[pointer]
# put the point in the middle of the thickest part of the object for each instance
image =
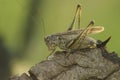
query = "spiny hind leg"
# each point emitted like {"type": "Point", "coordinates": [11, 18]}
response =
{"type": "Point", "coordinates": [79, 15]}
{"type": "Point", "coordinates": [78, 12]}
{"type": "Point", "coordinates": [80, 38]}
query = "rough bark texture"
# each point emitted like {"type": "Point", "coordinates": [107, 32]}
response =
{"type": "Point", "coordinates": [88, 64]}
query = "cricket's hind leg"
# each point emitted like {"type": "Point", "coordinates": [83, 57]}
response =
{"type": "Point", "coordinates": [80, 38]}
{"type": "Point", "coordinates": [78, 12]}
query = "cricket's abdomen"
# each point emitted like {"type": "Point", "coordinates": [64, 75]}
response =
{"type": "Point", "coordinates": [88, 43]}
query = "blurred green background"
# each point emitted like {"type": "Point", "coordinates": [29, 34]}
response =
{"type": "Point", "coordinates": [24, 23]}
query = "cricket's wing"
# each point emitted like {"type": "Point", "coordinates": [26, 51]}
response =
{"type": "Point", "coordinates": [95, 29]}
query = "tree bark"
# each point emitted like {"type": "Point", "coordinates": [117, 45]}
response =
{"type": "Point", "coordinates": [87, 64]}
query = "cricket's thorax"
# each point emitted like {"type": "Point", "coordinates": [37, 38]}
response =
{"type": "Point", "coordinates": [61, 40]}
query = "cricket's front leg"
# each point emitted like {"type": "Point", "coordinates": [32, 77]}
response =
{"type": "Point", "coordinates": [51, 55]}
{"type": "Point", "coordinates": [78, 11]}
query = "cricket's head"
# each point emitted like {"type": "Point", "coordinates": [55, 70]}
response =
{"type": "Point", "coordinates": [51, 41]}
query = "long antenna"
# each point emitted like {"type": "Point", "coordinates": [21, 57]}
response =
{"type": "Point", "coordinates": [43, 26]}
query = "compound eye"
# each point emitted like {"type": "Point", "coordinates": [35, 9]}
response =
{"type": "Point", "coordinates": [48, 39]}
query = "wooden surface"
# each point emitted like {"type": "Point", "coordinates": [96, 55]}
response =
{"type": "Point", "coordinates": [88, 64]}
